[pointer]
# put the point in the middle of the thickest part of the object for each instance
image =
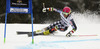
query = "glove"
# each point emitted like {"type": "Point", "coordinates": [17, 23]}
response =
{"type": "Point", "coordinates": [44, 10]}
{"type": "Point", "coordinates": [69, 34]}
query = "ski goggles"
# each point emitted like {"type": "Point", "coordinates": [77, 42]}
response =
{"type": "Point", "coordinates": [66, 13]}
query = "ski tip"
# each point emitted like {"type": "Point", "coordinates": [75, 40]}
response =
{"type": "Point", "coordinates": [20, 33]}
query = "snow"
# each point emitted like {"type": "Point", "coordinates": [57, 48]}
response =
{"type": "Point", "coordinates": [87, 24]}
{"type": "Point", "coordinates": [56, 41]}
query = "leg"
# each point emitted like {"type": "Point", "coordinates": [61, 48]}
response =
{"type": "Point", "coordinates": [46, 31]}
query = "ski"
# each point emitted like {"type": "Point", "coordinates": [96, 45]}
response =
{"type": "Point", "coordinates": [36, 34]}
{"type": "Point", "coordinates": [29, 33]}
{"type": "Point", "coordinates": [20, 33]}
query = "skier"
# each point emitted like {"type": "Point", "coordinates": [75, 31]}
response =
{"type": "Point", "coordinates": [62, 25]}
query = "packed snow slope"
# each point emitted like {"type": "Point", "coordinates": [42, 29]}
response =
{"type": "Point", "coordinates": [56, 41]}
{"type": "Point", "coordinates": [87, 24]}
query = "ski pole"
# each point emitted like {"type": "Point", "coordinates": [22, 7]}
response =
{"type": "Point", "coordinates": [44, 9]}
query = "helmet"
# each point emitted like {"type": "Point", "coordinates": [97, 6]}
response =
{"type": "Point", "coordinates": [67, 10]}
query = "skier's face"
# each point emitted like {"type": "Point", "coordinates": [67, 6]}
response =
{"type": "Point", "coordinates": [65, 15]}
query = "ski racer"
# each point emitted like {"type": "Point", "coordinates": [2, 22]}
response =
{"type": "Point", "coordinates": [62, 25]}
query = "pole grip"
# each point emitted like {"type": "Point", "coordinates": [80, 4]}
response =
{"type": "Point", "coordinates": [43, 5]}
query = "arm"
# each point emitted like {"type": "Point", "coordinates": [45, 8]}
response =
{"type": "Point", "coordinates": [73, 30]}
{"type": "Point", "coordinates": [54, 9]}
{"type": "Point", "coordinates": [73, 26]}
{"type": "Point", "coordinates": [51, 9]}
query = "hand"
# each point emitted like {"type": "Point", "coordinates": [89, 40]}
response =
{"type": "Point", "coordinates": [44, 10]}
{"type": "Point", "coordinates": [69, 34]}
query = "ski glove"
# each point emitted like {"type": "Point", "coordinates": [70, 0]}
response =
{"type": "Point", "coordinates": [69, 34]}
{"type": "Point", "coordinates": [44, 10]}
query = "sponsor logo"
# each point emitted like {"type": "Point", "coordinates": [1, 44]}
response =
{"type": "Point", "coordinates": [18, 10]}
{"type": "Point", "coordinates": [19, 1]}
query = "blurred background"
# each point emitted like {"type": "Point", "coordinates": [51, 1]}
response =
{"type": "Point", "coordinates": [81, 10]}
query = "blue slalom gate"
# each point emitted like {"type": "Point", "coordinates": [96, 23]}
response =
{"type": "Point", "coordinates": [19, 6]}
